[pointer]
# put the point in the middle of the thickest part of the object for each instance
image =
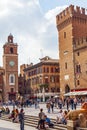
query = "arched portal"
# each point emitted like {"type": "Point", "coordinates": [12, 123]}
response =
{"type": "Point", "coordinates": [67, 88]}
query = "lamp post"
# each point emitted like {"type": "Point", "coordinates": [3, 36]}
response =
{"type": "Point", "coordinates": [43, 92]}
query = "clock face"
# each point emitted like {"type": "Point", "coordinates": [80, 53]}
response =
{"type": "Point", "coordinates": [11, 63]}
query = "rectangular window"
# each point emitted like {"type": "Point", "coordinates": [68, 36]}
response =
{"type": "Point", "coordinates": [40, 70]}
{"type": "Point", "coordinates": [82, 40]}
{"type": "Point", "coordinates": [47, 70]}
{"type": "Point", "coordinates": [78, 53]}
{"type": "Point", "coordinates": [51, 69]}
{"type": "Point", "coordinates": [52, 79]}
{"type": "Point", "coordinates": [46, 80]}
{"type": "Point", "coordinates": [86, 39]}
{"type": "Point", "coordinates": [44, 69]}
{"type": "Point", "coordinates": [57, 78]}
{"type": "Point", "coordinates": [66, 65]}
{"type": "Point", "coordinates": [64, 34]}
{"type": "Point", "coordinates": [78, 69]}
{"type": "Point", "coordinates": [78, 83]}
{"type": "Point", "coordinates": [37, 70]}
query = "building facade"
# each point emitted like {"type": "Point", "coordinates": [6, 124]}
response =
{"type": "Point", "coordinates": [44, 74]}
{"type": "Point", "coordinates": [1, 83]}
{"type": "Point", "coordinates": [10, 66]}
{"type": "Point", "coordinates": [72, 32]}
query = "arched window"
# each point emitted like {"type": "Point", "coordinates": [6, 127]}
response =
{"type": "Point", "coordinates": [67, 88]}
{"type": "Point", "coordinates": [11, 79]}
{"type": "Point", "coordinates": [11, 50]}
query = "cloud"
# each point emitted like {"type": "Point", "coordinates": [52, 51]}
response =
{"type": "Point", "coordinates": [32, 29]}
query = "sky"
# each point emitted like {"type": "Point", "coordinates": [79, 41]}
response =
{"type": "Point", "coordinates": [33, 26]}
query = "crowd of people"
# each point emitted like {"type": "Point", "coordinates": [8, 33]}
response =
{"type": "Point", "coordinates": [67, 102]}
{"type": "Point", "coordinates": [4, 110]}
{"type": "Point", "coordinates": [16, 115]}
{"type": "Point", "coordinates": [64, 106]}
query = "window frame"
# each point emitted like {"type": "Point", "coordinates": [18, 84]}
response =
{"type": "Point", "coordinates": [11, 79]}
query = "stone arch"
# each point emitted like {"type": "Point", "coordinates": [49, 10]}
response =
{"type": "Point", "coordinates": [67, 88]}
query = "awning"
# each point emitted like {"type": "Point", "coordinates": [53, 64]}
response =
{"type": "Point", "coordinates": [46, 94]}
{"type": "Point", "coordinates": [76, 93]}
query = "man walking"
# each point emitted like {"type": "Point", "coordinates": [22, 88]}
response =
{"type": "Point", "coordinates": [21, 119]}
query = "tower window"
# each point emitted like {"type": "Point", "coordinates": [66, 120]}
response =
{"type": "Point", "coordinates": [11, 79]}
{"type": "Point", "coordinates": [78, 83]}
{"type": "Point", "coordinates": [82, 40]}
{"type": "Point", "coordinates": [11, 50]}
{"type": "Point", "coordinates": [78, 69]}
{"type": "Point", "coordinates": [86, 39]}
{"type": "Point", "coordinates": [64, 34]}
{"type": "Point", "coordinates": [66, 65]}
{"type": "Point", "coordinates": [78, 42]}
{"type": "Point", "coordinates": [78, 53]}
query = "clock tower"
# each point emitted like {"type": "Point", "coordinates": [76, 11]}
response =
{"type": "Point", "coordinates": [10, 65]}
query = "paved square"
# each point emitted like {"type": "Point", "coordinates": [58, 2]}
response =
{"type": "Point", "coordinates": [6, 125]}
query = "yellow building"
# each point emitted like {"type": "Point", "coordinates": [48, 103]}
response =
{"type": "Point", "coordinates": [43, 75]}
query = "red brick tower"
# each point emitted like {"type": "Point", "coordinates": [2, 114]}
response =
{"type": "Point", "coordinates": [72, 32]}
{"type": "Point", "coordinates": [10, 64]}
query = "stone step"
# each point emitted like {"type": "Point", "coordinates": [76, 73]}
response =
{"type": "Point", "coordinates": [33, 121]}
{"type": "Point", "coordinates": [34, 118]}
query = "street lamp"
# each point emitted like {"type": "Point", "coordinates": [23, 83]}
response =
{"type": "Point", "coordinates": [43, 92]}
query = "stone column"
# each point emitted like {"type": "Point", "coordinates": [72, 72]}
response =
{"type": "Point", "coordinates": [71, 125]}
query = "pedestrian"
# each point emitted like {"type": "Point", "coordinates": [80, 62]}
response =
{"type": "Point", "coordinates": [41, 120]}
{"type": "Point", "coordinates": [60, 103]}
{"type": "Point", "coordinates": [52, 106]}
{"type": "Point", "coordinates": [75, 103]}
{"type": "Point", "coordinates": [67, 102]}
{"type": "Point", "coordinates": [48, 105]}
{"type": "Point", "coordinates": [35, 102]}
{"type": "Point", "coordinates": [72, 103]}
{"type": "Point", "coordinates": [21, 119]}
